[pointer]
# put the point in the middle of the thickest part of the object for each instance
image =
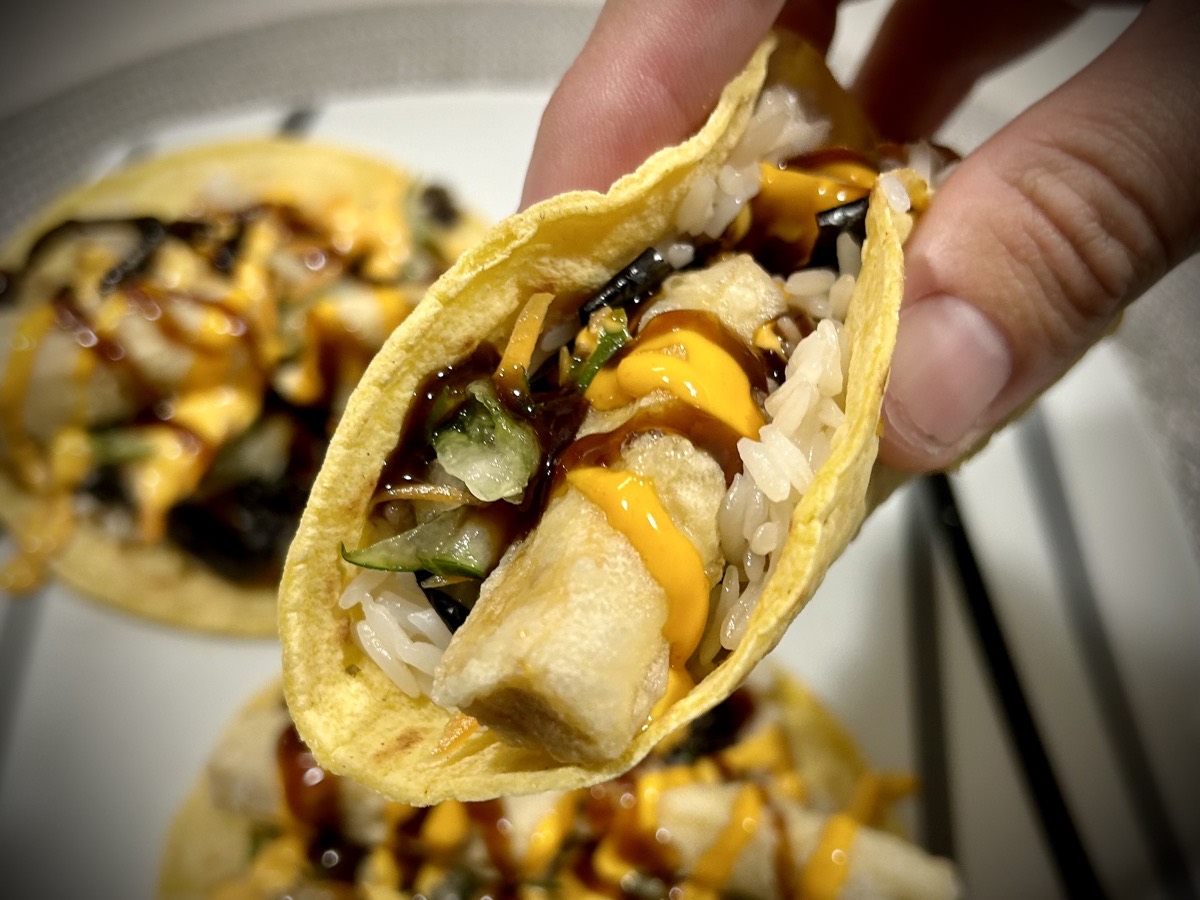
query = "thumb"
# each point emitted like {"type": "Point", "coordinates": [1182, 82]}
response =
{"type": "Point", "coordinates": [1039, 238]}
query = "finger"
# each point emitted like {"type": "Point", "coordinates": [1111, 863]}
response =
{"type": "Point", "coordinates": [647, 77]}
{"type": "Point", "coordinates": [1040, 237]}
{"type": "Point", "coordinates": [929, 54]}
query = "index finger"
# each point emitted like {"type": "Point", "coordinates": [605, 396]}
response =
{"type": "Point", "coordinates": [646, 78]}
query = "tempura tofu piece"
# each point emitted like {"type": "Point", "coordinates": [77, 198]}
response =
{"type": "Point", "coordinates": [564, 649]}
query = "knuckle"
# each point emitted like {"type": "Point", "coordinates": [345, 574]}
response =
{"type": "Point", "coordinates": [1089, 222]}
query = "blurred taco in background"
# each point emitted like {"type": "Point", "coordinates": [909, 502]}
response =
{"type": "Point", "coordinates": [583, 490]}
{"type": "Point", "coordinates": [179, 340]}
{"type": "Point", "coordinates": [763, 796]}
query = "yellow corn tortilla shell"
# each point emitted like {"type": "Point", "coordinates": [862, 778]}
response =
{"type": "Point", "coordinates": [208, 845]}
{"type": "Point", "coordinates": [353, 718]}
{"type": "Point", "coordinates": [159, 581]}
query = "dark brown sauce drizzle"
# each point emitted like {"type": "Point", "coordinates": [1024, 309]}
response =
{"type": "Point", "coordinates": [495, 829]}
{"type": "Point", "coordinates": [716, 730]}
{"type": "Point", "coordinates": [556, 415]}
{"type": "Point", "coordinates": [707, 432]}
{"type": "Point", "coordinates": [826, 156]}
{"type": "Point", "coordinates": [314, 797]}
{"type": "Point", "coordinates": [435, 401]}
{"type": "Point", "coordinates": [781, 257]}
{"type": "Point", "coordinates": [559, 410]}
{"type": "Point", "coordinates": [408, 849]}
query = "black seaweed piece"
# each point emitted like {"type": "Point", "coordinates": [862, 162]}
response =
{"type": "Point", "coordinates": [105, 484]}
{"type": "Point", "coordinates": [847, 217]}
{"type": "Point", "coordinates": [243, 531]}
{"type": "Point", "coordinates": [449, 610]}
{"type": "Point", "coordinates": [717, 729]}
{"type": "Point", "coordinates": [439, 206]}
{"type": "Point", "coordinates": [631, 285]}
{"type": "Point", "coordinates": [7, 281]}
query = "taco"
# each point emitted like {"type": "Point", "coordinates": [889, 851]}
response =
{"type": "Point", "coordinates": [179, 339]}
{"type": "Point", "coordinates": [763, 796]}
{"type": "Point", "coordinates": [586, 487]}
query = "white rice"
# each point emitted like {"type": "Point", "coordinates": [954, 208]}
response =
{"type": "Point", "coordinates": [849, 255]}
{"type": "Point", "coordinates": [840, 294]}
{"type": "Point", "coordinates": [677, 253]}
{"type": "Point", "coordinates": [399, 630]}
{"type": "Point", "coordinates": [895, 192]}
{"type": "Point", "coordinates": [810, 282]}
{"type": "Point", "coordinates": [779, 129]}
{"type": "Point", "coordinates": [778, 468]}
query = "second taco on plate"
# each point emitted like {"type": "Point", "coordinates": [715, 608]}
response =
{"type": "Point", "coordinates": [179, 339]}
{"type": "Point", "coordinates": [764, 796]}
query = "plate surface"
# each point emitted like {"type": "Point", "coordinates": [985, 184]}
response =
{"type": "Point", "coordinates": [105, 720]}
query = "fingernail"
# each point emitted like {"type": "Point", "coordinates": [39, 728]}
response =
{"type": "Point", "coordinates": [950, 364]}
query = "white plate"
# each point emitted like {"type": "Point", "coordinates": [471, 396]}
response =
{"type": "Point", "coordinates": [114, 717]}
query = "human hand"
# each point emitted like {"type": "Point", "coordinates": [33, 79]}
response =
{"type": "Point", "coordinates": [1037, 240]}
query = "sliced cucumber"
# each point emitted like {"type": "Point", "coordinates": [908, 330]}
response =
{"type": "Point", "coordinates": [116, 446]}
{"type": "Point", "coordinates": [451, 543]}
{"type": "Point", "coordinates": [487, 447]}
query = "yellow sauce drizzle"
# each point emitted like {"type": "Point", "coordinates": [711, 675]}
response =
{"type": "Point", "coordinates": [278, 865]}
{"type": "Point", "coordinates": [679, 684]}
{"type": "Point", "coordinates": [714, 866]}
{"type": "Point", "coordinates": [229, 350]}
{"type": "Point", "coordinates": [70, 459]}
{"type": "Point", "coordinates": [790, 199]}
{"type": "Point", "coordinates": [825, 871]}
{"type": "Point", "coordinates": [633, 508]}
{"type": "Point", "coordinates": [548, 837]}
{"type": "Point", "coordinates": [652, 785]}
{"type": "Point", "coordinates": [446, 827]}
{"type": "Point", "coordinates": [767, 338]}
{"type": "Point", "coordinates": [789, 784]}
{"type": "Point", "coordinates": [637, 820]}
{"type": "Point", "coordinates": [692, 369]}
{"type": "Point", "coordinates": [875, 792]}
{"type": "Point", "coordinates": [766, 750]}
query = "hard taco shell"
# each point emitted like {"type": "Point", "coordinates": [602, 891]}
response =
{"type": "Point", "coordinates": [357, 722]}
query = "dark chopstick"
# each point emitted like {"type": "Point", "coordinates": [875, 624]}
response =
{"type": "Point", "coordinates": [1075, 871]}
{"type": "Point", "coordinates": [298, 122]}
{"type": "Point", "coordinates": [1112, 699]}
{"type": "Point", "coordinates": [936, 823]}
{"type": "Point", "coordinates": [18, 636]}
